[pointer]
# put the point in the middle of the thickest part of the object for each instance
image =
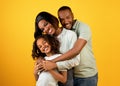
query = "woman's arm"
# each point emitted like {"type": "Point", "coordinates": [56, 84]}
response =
{"type": "Point", "coordinates": [36, 70]}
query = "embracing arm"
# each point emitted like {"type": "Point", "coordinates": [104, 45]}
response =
{"type": "Point", "coordinates": [36, 70]}
{"type": "Point", "coordinates": [79, 44]}
{"type": "Point", "coordinates": [68, 64]}
{"type": "Point", "coordinates": [84, 34]}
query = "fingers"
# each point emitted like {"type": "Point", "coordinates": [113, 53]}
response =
{"type": "Point", "coordinates": [44, 65]}
{"type": "Point", "coordinates": [41, 66]}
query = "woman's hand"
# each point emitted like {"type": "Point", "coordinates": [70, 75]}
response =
{"type": "Point", "coordinates": [36, 70]}
{"type": "Point", "coordinates": [37, 67]}
{"type": "Point", "coordinates": [48, 65]}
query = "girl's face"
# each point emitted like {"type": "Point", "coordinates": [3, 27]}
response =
{"type": "Point", "coordinates": [44, 46]}
{"type": "Point", "coordinates": [46, 27]}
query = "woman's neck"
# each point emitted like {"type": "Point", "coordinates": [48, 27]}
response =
{"type": "Point", "coordinates": [58, 31]}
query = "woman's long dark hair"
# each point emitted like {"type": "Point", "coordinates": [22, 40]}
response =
{"type": "Point", "coordinates": [49, 18]}
{"type": "Point", "coordinates": [53, 41]}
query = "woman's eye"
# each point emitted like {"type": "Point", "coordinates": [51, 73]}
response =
{"type": "Point", "coordinates": [46, 24]}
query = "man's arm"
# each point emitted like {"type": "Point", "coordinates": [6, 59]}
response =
{"type": "Point", "coordinates": [62, 65]}
{"type": "Point", "coordinates": [68, 64]}
{"type": "Point", "coordinates": [79, 44]}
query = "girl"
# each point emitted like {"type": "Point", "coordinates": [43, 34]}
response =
{"type": "Point", "coordinates": [48, 47]}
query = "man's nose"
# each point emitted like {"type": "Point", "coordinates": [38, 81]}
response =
{"type": "Point", "coordinates": [66, 21]}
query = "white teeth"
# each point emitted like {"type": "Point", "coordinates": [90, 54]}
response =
{"type": "Point", "coordinates": [50, 31]}
{"type": "Point", "coordinates": [67, 24]}
{"type": "Point", "coordinates": [45, 49]}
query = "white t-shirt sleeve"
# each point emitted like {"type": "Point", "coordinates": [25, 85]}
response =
{"type": "Point", "coordinates": [68, 64]}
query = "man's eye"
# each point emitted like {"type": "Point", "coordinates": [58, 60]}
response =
{"type": "Point", "coordinates": [61, 19]}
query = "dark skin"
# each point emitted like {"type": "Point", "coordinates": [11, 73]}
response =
{"type": "Point", "coordinates": [48, 65]}
{"type": "Point", "coordinates": [66, 18]}
{"type": "Point", "coordinates": [38, 62]}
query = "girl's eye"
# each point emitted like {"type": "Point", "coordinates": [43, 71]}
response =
{"type": "Point", "coordinates": [39, 47]}
{"type": "Point", "coordinates": [44, 42]}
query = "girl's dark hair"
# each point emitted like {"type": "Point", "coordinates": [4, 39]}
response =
{"type": "Point", "coordinates": [53, 41]}
{"type": "Point", "coordinates": [49, 18]}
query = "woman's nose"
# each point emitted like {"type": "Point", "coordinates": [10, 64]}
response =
{"type": "Point", "coordinates": [45, 29]}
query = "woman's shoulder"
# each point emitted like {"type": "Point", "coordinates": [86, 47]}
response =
{"type": "Point", "coordinates": [69, 31]}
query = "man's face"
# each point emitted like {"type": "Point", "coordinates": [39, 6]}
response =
{"type": "Point", "coordinates": [66, 18]}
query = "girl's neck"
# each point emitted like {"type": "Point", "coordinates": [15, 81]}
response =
{"type": "Point", "coordinates": [50, 54]}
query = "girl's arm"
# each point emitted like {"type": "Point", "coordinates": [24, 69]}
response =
{"type": "Point", "coordinates": [62, 76]}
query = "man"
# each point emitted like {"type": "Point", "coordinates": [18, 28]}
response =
{"type": "Point", "coordinates": [85, 74]}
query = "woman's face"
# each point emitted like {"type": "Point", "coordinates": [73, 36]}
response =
{"type": "Point", "coordinates": [44, 46]}
{"type": "Point", "coordinates": [46, 27]}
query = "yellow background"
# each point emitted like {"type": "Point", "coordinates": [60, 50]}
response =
{"type": "Point", "coordinates": [17, 28]}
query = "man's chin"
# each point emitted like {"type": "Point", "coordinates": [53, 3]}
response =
{"type": "Point", "coordinates": [68, 27]}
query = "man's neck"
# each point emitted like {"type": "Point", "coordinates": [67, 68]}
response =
{"type": "Point", "coordinates": [73, 24]}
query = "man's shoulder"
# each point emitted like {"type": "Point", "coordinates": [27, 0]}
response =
{"type": "Point", "coordinates": [80, 24]}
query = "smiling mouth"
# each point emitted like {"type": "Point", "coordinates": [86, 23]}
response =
{"type": "Point", "coordinates": [45, 49]}
{"type": "Point", "coordinates": [67, 25]}
{"type": "Point", "coordinates": [50, 31]}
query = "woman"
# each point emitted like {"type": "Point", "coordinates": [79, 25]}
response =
{"type": "Point", "coordinates": [46, 23]}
